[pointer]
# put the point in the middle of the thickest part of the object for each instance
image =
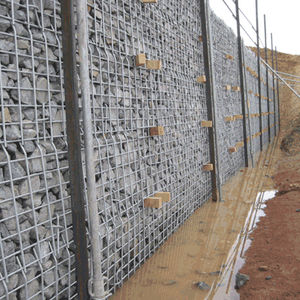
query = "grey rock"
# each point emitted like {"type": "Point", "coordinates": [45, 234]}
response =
{"type": "Point", "coordinates": [42, 94]}
{"type": "Point", "coordinates": [29, 134]}
{"type": "Point", "coordinates": [26, 92]}
{"type": "Point", "coordinates": [268, 277]}
{"type": "Point", "coordinates": [23, 44]}
{"type": "Point", "coordinates": [202, 285]}
{"type": "Point", "coordinates": [43, 214]}
{"type": "Point", "coordinates": [7, 45]}
{"type": "Point", "coordinates": [13, 282]}
{"type": "Point", "coordinates": [240, 280]}
{"type": "Point", "coordinates": [29, 146]}
{"type": "Point", "coordinates": [5, 193]}
{"type": "Point", "coordinates": [4, 59]}
{"type": "Point", "coordinates": [35, 161]}
{"type": "Point", "coordinates": [20, 15]}
{"type": "Point", "coordinates": [298, 210]}
{"type": "Point", "coordinates": [49, 277]}
{"type": "Point", "coordinates": [32, 289]}
{"type": "Point", "coordinates": [17, 171]}
{"type": "Point", "coordinates": [24, 185]}
{"type": "Point", "coordinates": [13, 132]}
{"type": "Point", "coordinates": [34, 201]}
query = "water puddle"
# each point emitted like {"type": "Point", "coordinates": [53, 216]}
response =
{"type": "Point", "coordinates": [224, 287]}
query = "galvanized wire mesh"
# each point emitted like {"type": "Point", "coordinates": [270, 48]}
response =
{"type": "Point", "coordinates": [36, 244]}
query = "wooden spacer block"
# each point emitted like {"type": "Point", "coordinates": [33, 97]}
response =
{"type": "Point", "coordinates": [201, 79]}
{"type": "Point", "coordinates": [228, 87]}
{"type": "Point", "coordinates": [159, 130]}
{"type": "Point", "coordinates": [228, 56]}
{"type": "Point", "coordinates": [153, 202]}
{"type": "Point", "coordinates": [236, 88]}
{"type": "Point", "coordinates": [229, 118]}
{"type": "Point", "coordinates": [206, 124]}
{"type": "Point", "coordinates": [232, 149]}
{"type": "Point", "coordinates": [200, 38]}
{"type": "Point", "coordinates": [165, 196]}
{"type": "Point", "coordinates": [140, 60]}
{"type": "Point", "coordinates": [238, 117]}
{"type": "Point", "coordinates": [239, 144]}
{"type": "Point", "coordinates": [153, 64]}
{"type": "Point", "coordinates": [208, 167]}
{"type": "Point", "coordinates": [250, 92]}
{"type": "Point", "coordinates": [149, 1]}
{"type": "Point", "coordinates": [256, 95]}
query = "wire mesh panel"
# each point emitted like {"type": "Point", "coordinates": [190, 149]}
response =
{"type": "Point", "coordinates": [128, 101]}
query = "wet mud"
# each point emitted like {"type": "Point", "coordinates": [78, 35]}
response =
{"type": "Point", "coordinates": [201, 259]}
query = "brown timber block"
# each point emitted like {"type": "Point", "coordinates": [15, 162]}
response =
{"type": "Point", "coordinates": [153, 64]}
{"type": "Point", "coordinates": [165, 196]}
{"type": "Point", "coordinates": [228, 56]}
{"type": "Point", "coordinates": [239, 144]}
{"type": "Point", "coordinates": [208, 167]}
{"type": "Point", "coordinates": [250, 92]}
{"type": "Point", "coordinates": [256, 95]}
{"type": "Point", "coordinates": [206, 124]}
{"type": "Point", "coordinates": [153, 202]}
{"type": "Point", "coordinates": [228, 87]}
{"type": "Point", "coordinates": [149, 1]}
{"type": "Point", "coordinates": [236, 88]}
{"type": "Point", "coordinates": [201, 79]}
{"type": "Point", "coordinates": [238, 117]}
{"type": "Point", "coordinates": [140, 60]}
{"type": "Point", "coordinates": [232, 149]}
{"type": "Point", "coordinates": [200, 38]}
{"type": "Point", "coordinates": [229, 118]}
{"type": "Point", "coordinates": [159, 130]}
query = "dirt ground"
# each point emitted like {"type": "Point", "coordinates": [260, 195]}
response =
{"type": "Point", "coordinates": [273, 259]}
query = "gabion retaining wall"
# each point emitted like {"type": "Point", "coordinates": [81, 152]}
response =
{"type": "Point", "coordinates": [36, 244]}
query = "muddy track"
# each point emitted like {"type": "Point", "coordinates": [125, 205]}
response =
{"type": "Point", "coordinates": [276, 241]}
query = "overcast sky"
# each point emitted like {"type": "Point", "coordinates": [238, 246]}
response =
{"type": "Point", "coordinates": [283, 20]}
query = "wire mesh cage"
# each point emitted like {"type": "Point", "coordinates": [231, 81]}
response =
{"type": "Point", "coordinates": [128, 100]}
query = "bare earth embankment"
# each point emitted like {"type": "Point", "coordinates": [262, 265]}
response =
{"type": "Point", "coordinates": [273, 260]}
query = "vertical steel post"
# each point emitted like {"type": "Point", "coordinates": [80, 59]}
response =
{"type": "Point", "coordinates": [210, 99]}
{"type": "Point", "coordinates": [278, 96]}
{"type": "Point", "coordinates": [96, 282]}
{"type": "Point", "coordinates": [239, 39]}
{"type": "Point", "coordinates": [74, 148]}
{"type": "Point", "coordinates": [274, 93]}
{"type": "Point", "coordinates": [248, 109]}
{"type": "Point", "coordinates": [267, 78]}
{"type": "Point", "coordinates": [259, 75]}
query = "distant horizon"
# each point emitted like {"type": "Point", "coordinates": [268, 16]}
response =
{"type": "Point", "coordinates": [275, 10]}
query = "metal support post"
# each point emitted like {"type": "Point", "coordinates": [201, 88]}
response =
{"type": "Point", "coordinates": [267, 78]}
{"type": "Point", "coordinates": [259, 75]}
{"type": "Point", "coordinates": [242, 82]}
{"type": "Point", "coordinates": [278, 96]}
{"type": "Point", "coordinates": [273, 64]}
{"type": "Point", "coordinates": [210, 99]}
{"type": "Point", "coordinates": [74, 148]}
{"type": "Point", "coordinates": [274, 93]}
{"type": "Point", "coordinates": [248, 109]}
